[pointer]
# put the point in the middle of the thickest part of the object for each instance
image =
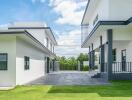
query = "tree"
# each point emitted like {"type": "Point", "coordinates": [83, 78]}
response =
{"type": "Point", "coordinates": [67, 63]}
{"type": "Point", "coordinates": [82, 57]}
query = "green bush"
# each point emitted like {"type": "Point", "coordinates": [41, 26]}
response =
{"type": "Point", "coordinates": [85, 68]}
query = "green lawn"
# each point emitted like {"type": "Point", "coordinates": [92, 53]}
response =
{"type": "Point", "coordinates": [116, 91]}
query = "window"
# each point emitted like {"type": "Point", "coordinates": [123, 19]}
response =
{"type": "Point", "coordinates": [3, 61]}
{"type": "Point", "coordinates": [95, 20]}
{"type": "Point", "coordinates": [114, 54]}
{"type": "Point", "coordinates": [26, 63]}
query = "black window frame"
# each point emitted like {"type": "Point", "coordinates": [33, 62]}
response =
{"type": "Point", "coordinates": [26, 63]}
{"type": "Point", "coordinates": [114, 52]}
{"type": "Point", "coordinates": [6, 62]}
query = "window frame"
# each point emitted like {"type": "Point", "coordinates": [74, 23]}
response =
{"type": "Point", "coordinates": [114, 53]}
{"type": "Point", "coordinates": [26, 63]}
{"type": "Point", "coordinates": [6, 67]}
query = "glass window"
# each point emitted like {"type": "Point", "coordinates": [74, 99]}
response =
{"type": "Point", "coordinates": [114, 54]}
{"type": "Point", "coordinates": [3, 61]}
{"type": "Point", "coordinates": [26, 63]}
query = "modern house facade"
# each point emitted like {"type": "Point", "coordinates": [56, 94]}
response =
{"type": "Point", "coordinates": [26, 53]}
{"type": "Point", "coordinates": [107, 31]}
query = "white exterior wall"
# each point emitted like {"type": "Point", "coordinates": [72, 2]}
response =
{"type": "Point", "coordinates": [8, 45]}
{"type": "Point", "coordinates": [120, 9]}
{"type": "Point", "coordinates": [119, 45]}
{"type": "Point", "coordinates": [122, 34]}
{"type": "Point", "coordinates": [39, 34]}
{"type": "Point", "coordinates": [96, 42]}
{"type": "Point", "coordinates": [109, 10]}
{"type": "Point", "coordinates": [129, 52]}
{"type": "Point", "coordinates": [122, 46]}
{"type": "Point", "coordinates": [122, 39]}
{"type": "Point", "coordinates": [37, 63]}
{"type": "Point", "coordinates": [102, 12]}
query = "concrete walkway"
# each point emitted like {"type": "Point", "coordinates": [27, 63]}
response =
{"type": "Point", "coordinates": [69, 78]}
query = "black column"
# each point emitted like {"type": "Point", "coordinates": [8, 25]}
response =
{"type": "Point", "coordinates": [89, 58]}
{"type": "Point", "coordinates": [102, 58]}
{"type": "Point", "coordinates": [48, 65]}
{"type": "Point", "coordinates": [53, 64]}
{"type": "Point", "coordinates": [92, 57]}
{"type": "Point", "coordinates": [102, 55]}
{"type": "Point", "coordinates": [109, 57]}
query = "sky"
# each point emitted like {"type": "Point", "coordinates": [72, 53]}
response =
{"type": "Point", "coordinates": [63, 16]}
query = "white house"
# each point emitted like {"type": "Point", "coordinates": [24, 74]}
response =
{"type": "Point", "coordinates": [26, 51]}
{"type": "Point", "coordinates": [107, 30]}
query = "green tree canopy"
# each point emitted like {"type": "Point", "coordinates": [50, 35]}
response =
{"type": "Point", "coordinates": [82, 57]}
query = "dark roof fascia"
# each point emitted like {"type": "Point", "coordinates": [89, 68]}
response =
{"type": "Point", "coordinates": [12, 32]}
{"type": "Point", "coordinates": [107, 23]}
{"type": "Point", "coordinates": [85, 11]}
{"type": "Point", "coordinates": [28, 27]}
{"type": "Point", "coordinates": [129, 21]}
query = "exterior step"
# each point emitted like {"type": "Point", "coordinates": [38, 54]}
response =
{"type": "Point", "coordinates": [98, 75]}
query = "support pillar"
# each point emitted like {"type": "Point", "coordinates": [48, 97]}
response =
{"type": "Point", "coordinates": [102, 58]}
{"type": "Point", "coordinates": [89, 58]}
{"type": "Point", "coordinates": [109, 56]}
{"type": "Point", "coordinates": [102, 55]}
{"type": "Point", "coordinates": [92, 58]}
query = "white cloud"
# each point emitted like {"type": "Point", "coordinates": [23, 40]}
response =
{"type": "Point", "coordinates": [70, 44]}
{"type": "Point", "coordinates": [70, 38]}
{"type": "Point", "coordinates": [41, 1]}
{"type": "Point", "coordinates": [70, 11]}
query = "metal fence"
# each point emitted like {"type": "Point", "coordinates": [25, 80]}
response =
{"type": "Point", "coordinates": [122, 67]}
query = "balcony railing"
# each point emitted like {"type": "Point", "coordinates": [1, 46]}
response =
{"type": "Point", "coordinates": [122, 67]}
{"type": "Point", "coordinates": [119, 67]}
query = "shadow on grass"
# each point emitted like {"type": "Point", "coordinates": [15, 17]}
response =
{"type": "Point", "coordinates": [117, 89]}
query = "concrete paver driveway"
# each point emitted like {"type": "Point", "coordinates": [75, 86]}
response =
{"type": "Point", "coordinates": [69, 78]}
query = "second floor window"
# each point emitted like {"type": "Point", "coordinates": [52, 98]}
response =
{"type": "Point", "coordinates": [95, 20]}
